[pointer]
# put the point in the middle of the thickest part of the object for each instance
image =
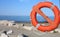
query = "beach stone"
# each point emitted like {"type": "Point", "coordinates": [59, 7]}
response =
{"type": "Point", "coordinates": [6, 22]}
{"type": "Point", "coordinates": [55, 31]}
{"type": "Point", "coordinates": [58, 30]}
{"type": "Point", "coordinates": [21, 25]}
{"type": "Point", "coordinates": [34, 28]}
{"type": "Point", "coordinates": [17, 26]}
{"type": "Point", "coordinates": [28, 27]}
{"type": "Point", "coordinates": [51, 32]}
{"type": "Point", "coordinates": [3, 35]}
{"type": "Point", "coordinates": [10, 24]}
{"type": "Point", "coordinates": [20, 35]}
{"type": "Point", "coordinates": [9, 32]}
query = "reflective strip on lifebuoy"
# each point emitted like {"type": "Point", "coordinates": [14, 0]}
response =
{"type": "Point", "coordinates": [52, 24]}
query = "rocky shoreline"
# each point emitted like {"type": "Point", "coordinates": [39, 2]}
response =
{"type": "Point", "coordinates": [12, 29]}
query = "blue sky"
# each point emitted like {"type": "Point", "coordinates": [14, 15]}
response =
{"type": "Point", "coordinates": [23, 7]}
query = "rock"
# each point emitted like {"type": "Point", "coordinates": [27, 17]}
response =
{"type": "Point", "coordinates": [21, 25]}
{"type": "Point", "coordinates": [3, 22]}
{"type": "Point", "coordinates": [28, 27]}
{"type": "Point", "coordinates": [20, 35]}
{"type": "Point", "coordinates": [55, 31]}
{"type": "Point", "coordinates": [3, 35]}
{"type": "Point", "coordinates": [58, 30]}
{"type": "Point", "coordinates": [9, 32]}
{"type": "Point", "coordinates": [51, 32]}
{"type": "Point", "coordinates": [17, 26]}
{"type": "Point", "coordinates": [10, 24]}
{"type": "Point", "coordinates": [6, 22]}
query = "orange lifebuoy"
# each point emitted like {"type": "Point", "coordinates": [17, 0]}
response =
{"type": "Point", "coordinates": [59, 17]}
{"type": "Point", "coordinates": [52, 24]}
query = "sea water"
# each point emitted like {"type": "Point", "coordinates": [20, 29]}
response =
{"type": "Point", "coordinates": [23, 18]}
